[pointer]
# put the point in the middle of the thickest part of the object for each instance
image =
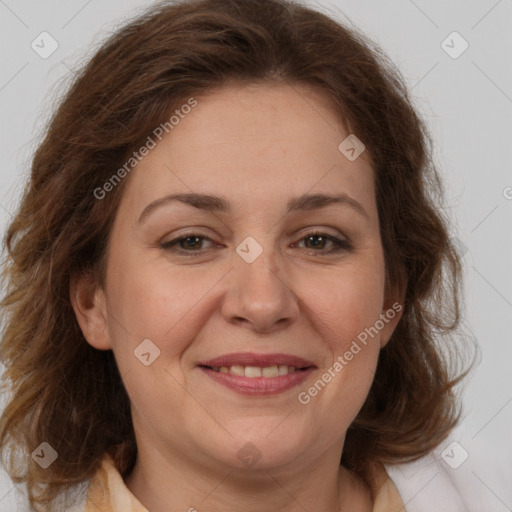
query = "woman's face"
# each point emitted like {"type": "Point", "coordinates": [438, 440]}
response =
{"type": "Point", "coordinates": [264, 285]}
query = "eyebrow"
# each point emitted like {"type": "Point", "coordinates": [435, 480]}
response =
{"type": "Point", "coordinates": [214, 203]}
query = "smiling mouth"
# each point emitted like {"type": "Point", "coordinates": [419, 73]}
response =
{"type": "Point", "coordinates": [251, 373]}
{"type": "Point", "coordinates": [254, 372]}
{"type": "Point", "coordinates": [258, 380]}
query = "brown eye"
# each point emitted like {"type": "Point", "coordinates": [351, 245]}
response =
{"type": "Point", "coordinates": [317, 243]}
{"type": "Point", "coordinates": [190, 242]}
{"type": "Point", "coordinates": [185, 244]}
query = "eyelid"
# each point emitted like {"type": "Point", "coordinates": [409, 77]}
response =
{"type": "Point", "coordinates": [324, 230]}
{"type": "Point", "coordinates": [341, 244]}
{"type": "Point", "coordinates": [182, 236]}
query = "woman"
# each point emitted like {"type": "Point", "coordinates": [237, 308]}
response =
{"type": "Point", "coordinates": [227, 272]}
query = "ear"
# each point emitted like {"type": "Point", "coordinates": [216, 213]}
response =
{"type": "Point", "coordinates": [88, 301]}
{"type": "Point", "coordinates": [392, 310]}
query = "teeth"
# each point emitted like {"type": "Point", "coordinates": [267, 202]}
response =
{"type": "Point", "coordinates": [270, 371]}
{"type": "Point", "coordinates": [256, 371]}
{"type": "Point", "coordinates": [283, 369]}
{"type": "Point", "coordinates": [252, 371]}
{"type": "Point", "coordinates": [237, 370]}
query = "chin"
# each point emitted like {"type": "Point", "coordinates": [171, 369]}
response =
{"type": "Point", "coordinates": [263, 446]}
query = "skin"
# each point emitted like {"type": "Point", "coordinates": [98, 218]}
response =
{"type": "Point", "coordinates": [257, 146]}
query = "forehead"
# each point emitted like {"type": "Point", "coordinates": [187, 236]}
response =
{"type": "Point", "coordinates": [257, 144]}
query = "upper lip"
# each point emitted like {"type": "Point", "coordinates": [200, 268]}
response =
{"type": "Point", "coordinates": [259, 360]}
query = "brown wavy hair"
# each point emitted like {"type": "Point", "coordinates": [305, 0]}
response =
{"type": "Point", "coordinates": [70, 395]}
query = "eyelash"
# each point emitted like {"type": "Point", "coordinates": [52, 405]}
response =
{"type": "Point", "coordinates": [340, 245]}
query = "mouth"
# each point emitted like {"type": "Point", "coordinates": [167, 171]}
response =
{"type": "Point", "coordinates": [254, 372]}
{"type": "Point", "coordinates": [258, 374]}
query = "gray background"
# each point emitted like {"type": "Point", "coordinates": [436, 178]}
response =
{"type": "Point", "coordinates": [467, 102]}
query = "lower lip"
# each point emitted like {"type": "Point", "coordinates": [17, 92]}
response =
{"type": "Point", "coordinates": [259, 385]}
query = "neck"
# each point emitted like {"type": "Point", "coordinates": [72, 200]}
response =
{"type": "Point", "coordinates": [163, 481]}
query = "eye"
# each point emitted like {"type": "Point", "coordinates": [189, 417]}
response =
{"type": "Point", "coordinates": [317, 241]}
{"type": "Point", "coordinates": [189, 243]}
{"type": "Point", "coordinates": [192, 243]}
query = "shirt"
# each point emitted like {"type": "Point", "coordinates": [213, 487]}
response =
{"type": "Point", "coordinates": [108, 492]}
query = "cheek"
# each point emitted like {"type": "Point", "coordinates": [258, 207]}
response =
{"type": "Point", "coordinates": [152, 319]}
{"type": "Point", "coordinates": [345, 314]}
{"type": "Point", "coordinates": [343, 317]}
{"type": "Point", "coordinates": [156, 301]}
{"type": "Point", "coordinates": [347, 304]}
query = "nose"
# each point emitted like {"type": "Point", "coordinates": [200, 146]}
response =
{"type": "Point", "coordinates": [259, 296]}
